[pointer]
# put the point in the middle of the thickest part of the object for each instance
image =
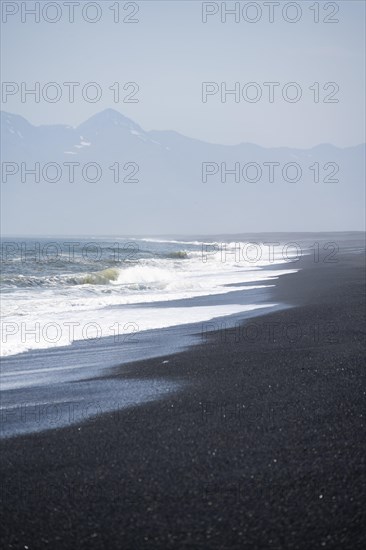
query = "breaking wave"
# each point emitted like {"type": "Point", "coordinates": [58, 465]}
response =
{"type": "Point", "coordinates": [138, 276]}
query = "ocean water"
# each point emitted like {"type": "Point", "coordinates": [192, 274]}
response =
{"type": "Point", "coordinates": [55, 292]}
{"type": "Point", "coordinates": [72, 309]}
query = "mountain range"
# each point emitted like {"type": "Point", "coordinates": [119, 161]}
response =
{"type": "Point", "coordinates": [109, 176]}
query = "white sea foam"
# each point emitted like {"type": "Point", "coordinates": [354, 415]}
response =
{"type": "Point", "coordinates": [50, 303]}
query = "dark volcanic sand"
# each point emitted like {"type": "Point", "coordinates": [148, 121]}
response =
{"type": "Point", "coordinates": [264, 448]}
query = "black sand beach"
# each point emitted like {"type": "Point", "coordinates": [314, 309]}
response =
{"type": "Point", "coordinates": [265, 446]}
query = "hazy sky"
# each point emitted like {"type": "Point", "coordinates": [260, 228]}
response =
{"type": "Point", "coordinates": [170, 52]}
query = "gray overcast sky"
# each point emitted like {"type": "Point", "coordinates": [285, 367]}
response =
{"type": "Point", "coordinates": [170, 52]}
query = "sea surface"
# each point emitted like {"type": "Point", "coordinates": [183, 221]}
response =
{"type": "Point", "coordinates": [73, 309]}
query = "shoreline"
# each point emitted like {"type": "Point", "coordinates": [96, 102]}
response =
{"type": "Point", "coordinates": [262, 447]}
{"type": "Point", "coordinates": [59, 386]}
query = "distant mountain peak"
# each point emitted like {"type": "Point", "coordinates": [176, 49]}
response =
{"type": "Point", "coordinates": [109, 118]}
{"type": "Point", "coordinates": [109, 114]}
{"type": "Point", "coordinates": [8, 118]}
